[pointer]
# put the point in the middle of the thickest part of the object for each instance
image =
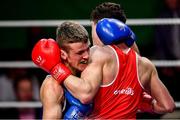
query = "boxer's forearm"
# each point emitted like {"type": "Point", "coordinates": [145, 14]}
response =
{"type": "Point", "coordinates": [79, 88]}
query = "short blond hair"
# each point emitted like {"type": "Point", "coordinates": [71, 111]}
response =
{"type": "Point", "coordinates": [71, 32]}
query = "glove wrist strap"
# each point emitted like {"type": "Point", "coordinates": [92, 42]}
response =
{"type": "Point", "coordinates": [60, 72]}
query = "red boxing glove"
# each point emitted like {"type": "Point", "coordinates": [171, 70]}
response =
{"type": "Point", "coordinates": [146, 104]}
{"type": "Point", "coordinates": [46, 54]}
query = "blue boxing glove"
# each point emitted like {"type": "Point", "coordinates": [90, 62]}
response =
{"type": "Point", "coordinates": [77, 110]}
{"type": "Point", "coordinates": [113, 31]}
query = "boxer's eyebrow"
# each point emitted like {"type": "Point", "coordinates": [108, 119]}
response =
{"type": "Point", "coordinates": [83, 50]}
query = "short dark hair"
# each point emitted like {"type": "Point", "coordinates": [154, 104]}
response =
{"type": "Point", "coordinates": [71, 32]}
{"type": "Point", "coordinates": [108, 10]}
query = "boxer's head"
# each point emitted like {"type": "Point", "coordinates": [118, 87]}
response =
{"type": "Point", "coordinates": [105, 10]}
{"type": "Point", "coordinates": [108, 10]}
{"type": "Point", "coordinates": [74, 41]}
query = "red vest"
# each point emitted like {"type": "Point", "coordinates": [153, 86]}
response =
{"type": "Point", "coordinates": [119, 99]}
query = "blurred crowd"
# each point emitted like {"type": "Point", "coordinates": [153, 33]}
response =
{"type": "Point", "coordinates": [18, 85]}
{"type": "Point", "coordinates": [167, 44]}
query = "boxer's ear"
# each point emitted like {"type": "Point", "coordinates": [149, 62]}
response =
{"type": "Point", "coordinates": [63, 55]}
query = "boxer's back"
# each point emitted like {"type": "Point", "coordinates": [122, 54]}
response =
{"type": "Point", "coordinates": [120, 96]}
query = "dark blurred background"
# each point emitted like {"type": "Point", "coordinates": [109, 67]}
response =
{"type": "Point", "coordinates": [21, 39]}
{"type": "Point", "coordinates": [16, 42]}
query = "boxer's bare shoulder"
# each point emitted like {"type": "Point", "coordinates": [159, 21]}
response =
{"type": "Point", "coordinates": [145, 70]}
{"type": "Point", "coordinates": [51, 95]}
{"type": "Point", "coordinates": [103, 52]}
{"type": "Point", "coordinates": [51, 90]}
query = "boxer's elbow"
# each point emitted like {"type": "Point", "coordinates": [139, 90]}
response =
{"type": "Point", "coordinates": [170, 107]}
{"type": "Point", "coordinates": [85, 99]}
{"type": "Point", "coordinates": [165, 108]}
{"type": "Point", "coordinates": [87, 95]}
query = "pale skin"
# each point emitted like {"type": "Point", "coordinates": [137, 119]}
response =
{"type": "Point", "coordinates": [51, 95]}
{"type": "Point", "coordinates": [97, 73]}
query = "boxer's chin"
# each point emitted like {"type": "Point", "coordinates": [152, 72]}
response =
{"type": "Point", "coordinates": [82, 67]}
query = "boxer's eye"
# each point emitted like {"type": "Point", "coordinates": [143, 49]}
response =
{"type": "Point", "coordinates": [80, 52]}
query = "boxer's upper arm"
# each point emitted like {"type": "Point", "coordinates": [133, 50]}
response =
{"type": "Point", "coordinates": [94, 74]}
{"type": "Point", "coordinates": [164, 102]}
{"type": "Point", "coordinates": [51, 95]}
